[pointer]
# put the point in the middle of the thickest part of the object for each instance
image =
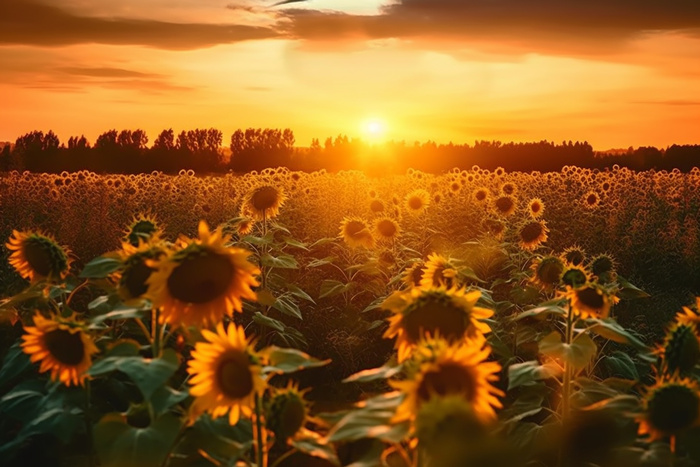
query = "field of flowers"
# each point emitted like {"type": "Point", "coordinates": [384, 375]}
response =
{"type": "Point", "coordinates": [474, 318]}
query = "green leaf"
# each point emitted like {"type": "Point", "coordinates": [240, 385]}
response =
{"type": "Point", "coordinates": [628, 291]}
{"type": "Point", "coordinates": [121, 312]}
{"type": "Point", "coordinates": [165, 397]}
{"type": "Point", "coordinates": [579, 353]}
{"type": "Point", "coordinates": [15, 363]}
{"type": "Point", "coordinates": [285, 305]}
{"type": "Point", "coordinates": [268, 322]}
{"type": "Point", "coordinates": [281, 261]}
{"type": "Point", "coordinates": [216, 438]}
{"type": "Point", "coordinates": [100, 268]}
{"type": "Point", "coordinates": [330, 287]}
{"type": "Point", "coordinates": [299, 293]}
{"type": "Point", "coordinates": [610, 329]}
{"type": "Point", "coordinates": [148, 373]}
{"type": "Point", "coordinates": [295, 243]}
{"type": "Point", "coordinates": [467, 274]}
{"type": "Point", "coordinates": [265, 297]}
{"type": "Point", "coordinates": [372, 419]}
{"type": "Point", "coordinates": [621, 365]}
{"type": "Point", "coordinates": [259, 241]}
{"type": "Point", "coordinates": [119, 444]}
{"type": "Point", "coordinates": [375, 305]}
{"type": "Point", "coordinates": [320, 262]}
{"type": "Point", "coordinates": [541, 311]}
{"type": "Point", "coordinates": [530, 373]}
{"type": "Point", "coordinates": [374, 374]}
{"type": "Point", "coordinates": [290, 360]}
{"type": "Point", "coordinates": [322, 241]}
{"type": "Point", "coordinates": [316, 448]}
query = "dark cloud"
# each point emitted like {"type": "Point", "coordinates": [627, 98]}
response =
{"type": "Point", "coordinates": [576, 26]}
{"type": "Point", "coordinates": [32, 23]}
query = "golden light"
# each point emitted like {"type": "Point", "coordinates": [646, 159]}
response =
{"type": "Point", "coordinates": [374, 129]}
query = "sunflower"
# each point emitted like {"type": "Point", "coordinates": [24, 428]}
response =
{"type": "Point", "coordinates": [438, 271]}
{"type": "Point", "coordinates": [417, 201]}
{"type": "Point", "coordinates": [287, 412]}
{"type": "Point", "coordinates": [355, 232]}
{"type": "Point", "coordinates": [143, 227]}
{"type": "Point", "coordinates": [480, 195]}
{"type": "Point", "coordinates": [535, 207]}
{"type": "Point", "coordinates": [62, 345]}
{"type": "Point", "coordinates": [226, 374]}
{"type": "Point", "coordinates": [377, 206]}
{"type": "Point", "coordinates": [680, 350]}
{"type": "Point", "coordinates": [386, 228]}
{"type": "Point", "coordinates": [455, 370]}
{"type": "Point", "coordinates": [591, 300]}
{"type": "Point", "coordinates": [547, 272]}
{"type": "Point", "coordinates": [671, 406]}
{"type": "Point", "coordinates": [136, 268]}
{"type": "Point", "coordinates": [575, 276]}
{"type": "Point", "coordinates": [449, 313]}
{"type": "Point", "coordinates": [36, 256]}
{"type": "Point", "coordinates": [602, 264]}
{"type": "Point", "coordinates": [591, 200]}
{"type": "Point", "coordinates": [532, 234]}
{"type": "Point", "coordinates": [202, 281]}
{"type": "Point", "coordinates": [413, 275]}
{"type": "Point", "coordinates": [509, 189]}
{"type": "Point", "coordinates": [504, 205]}
{"type": "Point", "coordinates": [574, 255]}
{"type": "Point", "coordinates": [263, 202]}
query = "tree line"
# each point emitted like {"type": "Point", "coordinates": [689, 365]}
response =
{"type": "Point", "coordinates": [127, 151]}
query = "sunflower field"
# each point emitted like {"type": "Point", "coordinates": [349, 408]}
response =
{"type": "Point", "coordinates": [473, 318]}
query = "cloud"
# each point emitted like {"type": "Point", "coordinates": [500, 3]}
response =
{"type": "Point", "coordinates": [105, 72]}
{"type": "Point", "coordinates": [555, 26]}
{"type": "Point", "coordinates": [31, 23]}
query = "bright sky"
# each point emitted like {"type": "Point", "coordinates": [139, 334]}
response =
{"type": "Point", "coordinates": [616, 73]}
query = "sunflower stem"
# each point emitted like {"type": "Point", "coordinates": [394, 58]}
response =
{"type": "Point", "coordinates": [156, 335]}
{"type": "Point", "coordinates": [88, 425]}
{"type": "Point", "coordinates": [283, 457]}
{"type": "Point", "coordinates": [261, 454]}
{"type": "Point", "coordinates": [566, 385]}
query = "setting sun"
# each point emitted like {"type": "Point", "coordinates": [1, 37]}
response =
{"type": "Point", "coordinates": [374, 129]}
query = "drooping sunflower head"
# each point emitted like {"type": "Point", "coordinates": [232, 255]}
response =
{"type": "Point", "coordinates": [356, 233]}
{"type": "Point", "coordinates": [245, 226]}
{"type": "Point", "coordinates": [680, 350]}
{"type": "Point", "coordinates": [495, 227]}
{"type": "Point", "coordinates": [439, 272]}
{"type": "Point", "coordinates": [413, 275]}
{"type": "Point", "coordinates": [574, 255]}
{"type": "Point", "coordinates": [226, 374]}
{"type": "Point", "coordinates": [457, 370]}
{"type": "Point", "coordinates": [386, 229]}
{"type": "Point", "coordinates": [62, 345]}
{"type": "Point", "coordinates": [137, 268]}
{"type": "Point", "coordinates": [591, 300]}
{"type": "Point", "coordinates": [263, 202]}
{"type": "Point", "coordinates": [532, 234]}
{"type": "Point", "coordinates": [202, 281]}
{"type": "Point", "coordinates": [547, 272]}
{"type": "Point", "coordinates": [437, 311]}
{"type": "Point", "coordinates": [480, 195]}
{"type": "Point", "coordinates": [575, 276]}
{"type": "Point", "coordinates": [387, 258]}
{"type": "Point", "coordinates": [535, 207]}
{"type": "Point", "coordinates": [377, 206]}
{"type": "Point", "coordinates": [504, 205]}
{"type": "Point", "coordinates": [591, 200]}
{"type": "Point", "coordinates": [143, 228]}
{"type": "Point", "coordinates": [417, 201]}
{"type": "Point", "coordinates": [602, 264]}
{"type": "Point", "coordinates": [671, 406]}
{"type": "Point", "coordinates": [286, 413]}
{"type": "Point", "coordinates": [37, 256]}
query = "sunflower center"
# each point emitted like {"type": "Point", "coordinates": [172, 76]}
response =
{"type": "Point", "coordinates": [386, 228]}
{"type": "Point", "coordinates": [233, 375]}
{"type": "Point", "coordinates": [531, 232]}
{"type": "Point", "coordinates": [574, 278]}
{"type": "Point", "coordinates": [575, 257]}
{"type": "Point", "coordinates": [434, 315]}
{"type": "Point", "coordinates": [673, 407]}
{"type": "Point", "coordinates": [550, 270]}
{"type": "Point", "coordinates": [201, 279]}
{"type": "Point", "coordinates": [264, 198]}
{"type": "Point", "coordinates": [592, 199]}
{"type": "Point", "coordinates": [602, 264]}
{"type": "Point", "coordinates": [504, 204]}
{"type": "Point", "coordinates": [135, 276]}
{"type": "Point", "coordinates": [481, 195]}
{"type": "Point", "coordinates": [535, 207]}
{"type": "Point", "coordinates": [448, 379]}
{"type": "Point", "coordinates": [38, 255]}
{"type": "Point", "coordinates": [376, 206]}
{"type": "Point", "coordinates": [590, 298]}
{"type": "Point", "coordinates": [415, 203]}
{"type": "Point", "coordinates": [286, 415]}
{"type": "Point", "coordinates": [65, 346]}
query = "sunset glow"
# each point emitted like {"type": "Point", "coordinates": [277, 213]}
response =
{"type": "Point", "coordinates": [438, 70]}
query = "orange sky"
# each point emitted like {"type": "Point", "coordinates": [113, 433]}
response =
{"type": "Point", "coordinates": [616, 73]}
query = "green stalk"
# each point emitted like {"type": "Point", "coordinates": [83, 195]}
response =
{"type": "Point", "coordinates": [88, 425]}
{"type": "Point", "coordinates": [261, 457]}
{"type": "Point", "coordinates": [566, 385]}
{"type": "Point", "coordinates": [155, 333]}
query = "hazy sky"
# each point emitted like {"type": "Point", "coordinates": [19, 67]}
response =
{"type": "Point", "coordinates": [616, 73]}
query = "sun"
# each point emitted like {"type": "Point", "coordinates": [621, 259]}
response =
{"type": "Point", "coordinates": [374, 129]}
